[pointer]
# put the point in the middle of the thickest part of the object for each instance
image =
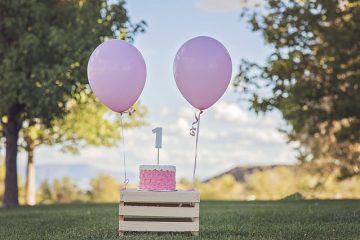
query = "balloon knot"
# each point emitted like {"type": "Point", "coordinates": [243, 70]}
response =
{"type": "Point", "coordinates": [193, 125]}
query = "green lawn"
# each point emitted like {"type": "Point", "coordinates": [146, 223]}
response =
{"type": "Point", "coordinates": [219, 220]}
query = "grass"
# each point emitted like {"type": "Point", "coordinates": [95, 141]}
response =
{"type": "Point", "coordinates": [313, 219]}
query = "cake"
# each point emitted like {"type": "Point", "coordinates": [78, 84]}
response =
{"type": "Point", "coordinates": [157, 177]}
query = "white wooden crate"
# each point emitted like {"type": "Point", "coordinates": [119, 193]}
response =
{"type": "Point", "coordinates": [150, 211]}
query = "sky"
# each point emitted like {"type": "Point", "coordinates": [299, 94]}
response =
{"type": "Point", "coordinates": [230, 136]}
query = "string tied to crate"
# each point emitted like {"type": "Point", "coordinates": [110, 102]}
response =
{"type": "Point", "coordinates": [130, 112]}
{"type": "Point", "coordinates": [194, 131]}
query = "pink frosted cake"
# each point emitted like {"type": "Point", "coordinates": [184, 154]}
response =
{"type": "Point", "coordinates": [157, 177]}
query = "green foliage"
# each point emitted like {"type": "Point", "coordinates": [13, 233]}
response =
{"type": "Point", "coordinates": [60, 191]}
{"type": "Point", "coordinates": [45, 193]}
{"type": "Point", "coordinates": [293, 197]}
{"type": "Point", "coordinates": [104, 189]}
{"type": "Point", "coordinates": [311, 220]}
{"type": "Point", "coordinates": [44, 49]}
{"type": "Point", "coordinates": [87, 122]}
{"type": "Point", "coordinates": [312, 77]}
{"type": "Point", "coordinates": [65, 191]}
{"type": "Point", "coordinates": [276, 183]}
{"type": "Point", "coordinates": [280, 182]}
{"type": "Point", "coordinates": [272, 184]}
{"type": "Point", "coordinates": [224, 187]}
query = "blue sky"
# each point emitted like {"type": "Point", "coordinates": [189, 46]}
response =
{"type": "Point", "coordinates": [171, 23]}
{"type": "Point", "coordinates": [231, 135]}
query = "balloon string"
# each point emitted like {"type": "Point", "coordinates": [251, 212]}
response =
{"type": "Point", "coordinates": [126, 180]}
{"type": "Point", "coordinates": [195, 130]}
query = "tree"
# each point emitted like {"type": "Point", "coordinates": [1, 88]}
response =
{"type": "Point", "coordinates": [2, 178]}
{"type": "Point", "coordinates": [65, 191]}
{"type": "Point", "coordinates": [2, 181]}
{"type": "Point", "coordinates": [87, 122]}
{"type": "Point", "coordinates": [43, 54]}
{"type": "Point", "coordinates": [224, 187]}
{"type": "Point", "coordinates": [273, 183]}
{"type": "Point", "coordinates": [312, 77]}
{"type": "Point", "coordinates": [45, 192]}
{"type": "Point", "coordinates": [104, 188]}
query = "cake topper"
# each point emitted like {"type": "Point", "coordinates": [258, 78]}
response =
{"type": "Point", "coordinates": [158, 141]}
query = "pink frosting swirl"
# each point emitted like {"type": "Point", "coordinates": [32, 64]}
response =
{"type": "Point", "coordinates": [157, 180]}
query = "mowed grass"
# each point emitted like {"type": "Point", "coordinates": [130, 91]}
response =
{"type": "Point", "coordinates": [313, 219]}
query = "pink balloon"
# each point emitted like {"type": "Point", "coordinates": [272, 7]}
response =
{"type": "Point", "coordinates": [202, 71]}
{"type": "Point", "coordinates": [117, 73]}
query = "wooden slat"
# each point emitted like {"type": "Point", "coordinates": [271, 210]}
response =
{"type": "Point", "coordinates": [180, 196]}
{"type": "Point", "coordinates": [158, 219]}
{"type": "Point", "coordinates": [147, 211]}
{"type": "Point", "coordinates": [196, 220]}
{"type": "Point", "coordinates": [154, 204]}
{"type": "Point", "coordinates": [159, 226]}
{"type": "Point", "coordinates": [121, 218]}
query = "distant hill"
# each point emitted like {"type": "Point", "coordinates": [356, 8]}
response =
{"type": "Point", "coordinates": [241, 173]}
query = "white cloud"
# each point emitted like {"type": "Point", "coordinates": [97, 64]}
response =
{"type": "Point", "coordinates": [230, 136]}
{"type": "Point", "coordinates": [186, 112]}
{"type": "Point", "coordinates": [230, 112]}
{"type": "Point", "coordinates": [225, 5]}
{"type": "Point", "coordinates": [164, 111]}
{"type": "Point", "coordinates": [210, 134]}
{"type": "Point", "coordinates": [180, 127]}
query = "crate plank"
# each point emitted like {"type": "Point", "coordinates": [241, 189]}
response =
{"type": "Point", "coordinates": [121, 218]}
{"type": "Point", "coordinates": [147, 211]}
{"type": "Point", "coordinates": [159, 226]}
{"type": "Point", "coordinates": [133, 195]}
{"type": "Point", "coordinates": [158, 219]}
{"type": "Point", "coordinates": [196, 220]}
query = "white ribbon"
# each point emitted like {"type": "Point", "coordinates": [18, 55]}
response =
{"type": "Point", "coordinates": [195, 131]}
{"type": "Point", "coordinates": [131, 111]}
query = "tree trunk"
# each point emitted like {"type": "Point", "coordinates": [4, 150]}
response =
{"type": "Point", "coordinates": [11, 130]}
{"type": "Point", "coordinates": [30, 179]}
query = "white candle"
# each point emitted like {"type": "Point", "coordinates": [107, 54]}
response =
{"type": "Point", "coordinates": [158, 141]}
{"type": "Point", "coordinates": [158, 138]}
